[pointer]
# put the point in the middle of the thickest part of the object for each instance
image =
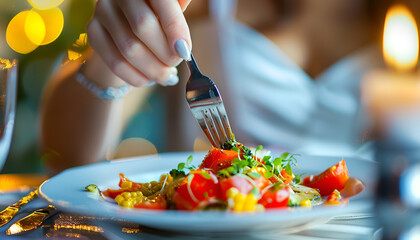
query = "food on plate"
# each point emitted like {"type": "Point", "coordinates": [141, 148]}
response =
{"type": "Point", "coordinates": [236, 178]}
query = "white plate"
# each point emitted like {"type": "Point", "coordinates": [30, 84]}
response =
{"type": "Point", "coordinates": [66, 192]}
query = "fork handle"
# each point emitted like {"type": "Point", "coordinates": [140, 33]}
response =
{"type": "Point", "coordinates": [193, 66]}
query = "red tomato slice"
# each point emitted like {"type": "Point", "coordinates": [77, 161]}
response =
{"type": "Point", "coordinates": [333, 178]}
{"type": "Point", "coordinates": [112, 193]}
{"type": "Point", "coordinates": [218, 159]}
{"type": "Point", "coordinates": [123, 178]}
{"type": "Point", "coordinates": [115, 192]}
{"type": "Point", "coordinates": [159, 203]}
{"type": "Point", "coordinates": [201, 190]}
{"type": "Point", "coordinates": [277, 197]}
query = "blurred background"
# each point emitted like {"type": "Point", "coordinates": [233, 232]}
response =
{"type": "Point", "coordinates": [64, 23]}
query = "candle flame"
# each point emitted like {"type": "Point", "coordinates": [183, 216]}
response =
{"type": "Point", "coordinates": [401, 42]}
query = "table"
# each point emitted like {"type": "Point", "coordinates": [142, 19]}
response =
{"type": "Point", "coordinates": [70, 226]}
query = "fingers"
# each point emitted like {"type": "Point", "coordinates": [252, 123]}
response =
{"type": "Point", "coordinates": [128, 48]}
{"type": "Point", "coordinates": [138, 39]}
{"type": "Point", "coordinates": [104, 46]}
{"type": "Point", "coordinates": [145, 25]}
{"type": "Point", "coordinates": [172, 22]}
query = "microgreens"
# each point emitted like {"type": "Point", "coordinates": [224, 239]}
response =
{"type": "Point", "coordinates": [187, 165]}
{"type": "Point", "coordinates": [337, 193]}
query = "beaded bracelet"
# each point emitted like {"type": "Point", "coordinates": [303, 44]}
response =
{"type": "Point", "coordinates": [109, 93]}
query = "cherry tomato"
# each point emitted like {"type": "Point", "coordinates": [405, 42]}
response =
{"type": "Point", "coordinates": [333, 178]}
{"type": "Point", "coordinates": [159, 203]}
{"type": "Point", "coordinates": [134, 187]}
{"type": "Point", "coordinates": [218, 159]}
{"type": "Point", "coordinates": [276, 197]}
{"type": "Point", "coordinates": [198, 189]}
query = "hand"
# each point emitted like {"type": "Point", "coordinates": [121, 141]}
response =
{"type": "Point", "coordinates": [136, 38]}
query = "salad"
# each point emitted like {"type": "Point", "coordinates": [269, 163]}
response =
{"type": "Point", "coordinates": [236, 178]}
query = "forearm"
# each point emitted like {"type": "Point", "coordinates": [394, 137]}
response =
{"type": "Point", "coordinates": [76, 126]}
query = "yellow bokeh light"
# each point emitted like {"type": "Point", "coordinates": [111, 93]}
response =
{"type": "Point", "coordinates": [401, 43]}
{"type": "Point", "coordinates": [35, 27]}
{"type": "Point", "coordinates": [45, 4]}
{"type": "Point", "coordinates": [54, 22]}
{"type": "Point", "coordinates": [25, 32]}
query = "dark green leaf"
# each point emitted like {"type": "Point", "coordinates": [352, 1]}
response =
{"type": "Point", "coordinates": [175, 173]}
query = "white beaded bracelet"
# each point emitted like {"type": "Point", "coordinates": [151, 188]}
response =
{"type": "Point", "coordinates": [109, 93]}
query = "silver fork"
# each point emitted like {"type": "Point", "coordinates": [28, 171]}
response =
{"type": "Point", "coordinates": [206, 105]}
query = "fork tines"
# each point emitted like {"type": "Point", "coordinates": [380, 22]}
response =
{"type": "Point", "coordinates": [214, 122]}
{"type": "Point", "coordinates": [207, 106]}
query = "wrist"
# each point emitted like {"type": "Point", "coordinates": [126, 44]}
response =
{"type": "Point", "coordinates": [95, 77]}
{"type": "Point", "coordinates": [96, 71]}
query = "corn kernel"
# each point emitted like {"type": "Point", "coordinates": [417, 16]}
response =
{"type": "Point", "coordinates": [127, 184]}
{"type": "Point", "coordinates": [231, 192]}
{"type": "Point", "coordinates": [126, 195]}
{"type": "Point", "coordinates": [259, 170]}
{"type": "Point", "coordinates": [239, 200]}
{"type": "Point", "coordinates": [305, 203]}
{"type": "Point", "coordinates": [119, 199]}
{"type": "Point", "coordinates": [127, 203]}
{"type": "Point", "coordinates": [249, 202]}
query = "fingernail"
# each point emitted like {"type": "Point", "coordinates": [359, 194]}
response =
{"type": "Point", "coordinates": [151, 83]}
{"type": "Point", "coordinates": [172, 81]}
{"type": "Point", "coordinates": [183, 49]}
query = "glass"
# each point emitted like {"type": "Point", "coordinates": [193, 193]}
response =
{"type": "Point", "coordinates": [8, 92]}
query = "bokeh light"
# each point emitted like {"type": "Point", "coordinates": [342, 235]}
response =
{"type": "Point", "coordinates": [132, 147]}
{"type": "Point", "coordinates": [401, 43]}
{"type": "Point", "coordinates": [25, 31]}
{"type": "Point", "coordinates": [34, 27]}
{"type": "Point", "coordinates": [45, 4]}
{"type": "Point", "coordinates": [54, 22]}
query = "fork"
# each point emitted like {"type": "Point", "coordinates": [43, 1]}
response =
{"type": "Point", "coordinates": [206, 105]}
